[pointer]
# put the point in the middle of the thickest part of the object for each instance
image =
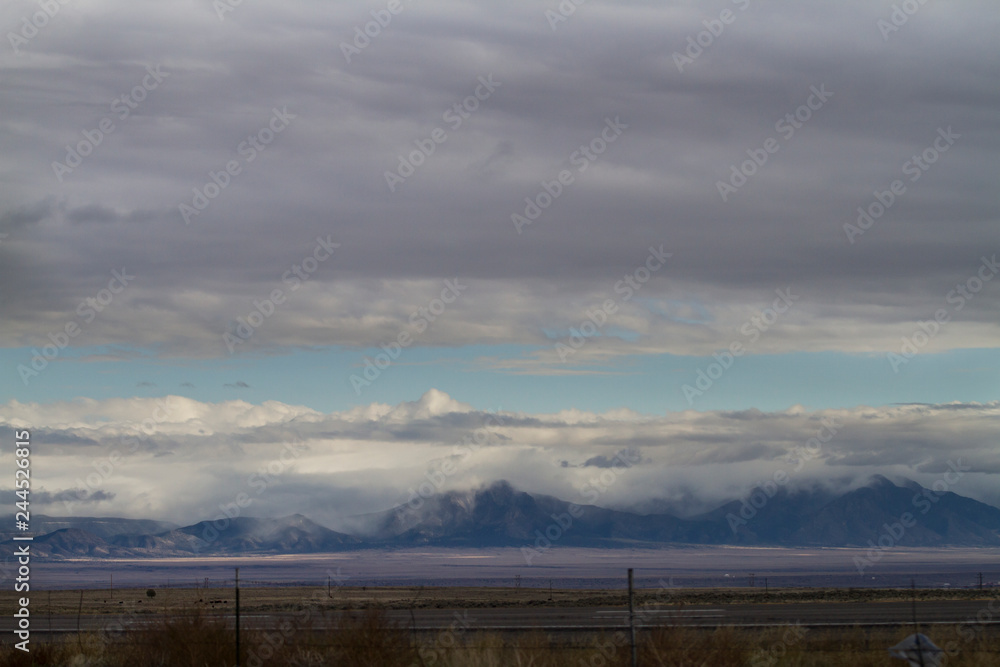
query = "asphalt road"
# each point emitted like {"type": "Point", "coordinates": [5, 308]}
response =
{"type": "Point", "coordinates": [570, 619]}
{"type": "Point", "coordinates": [810, 614]}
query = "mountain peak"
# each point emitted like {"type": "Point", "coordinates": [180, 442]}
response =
{"type": "Point", "coordinates": [880, 482]}
{"type": "Point", "coordinates": [500, 487]}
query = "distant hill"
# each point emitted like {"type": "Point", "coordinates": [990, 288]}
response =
{"type": "Point", "coordinates": [500, 515]}
{"type": "Point", "coordinates": [243, 535]}
{"type": "Point", "coordinates": [291, 534]}
{"type": "Point", "coordinates": [72, 543]}
{"type": "Point", "coordinates": [102, 527]}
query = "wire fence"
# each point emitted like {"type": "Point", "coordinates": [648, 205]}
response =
{"type": "Point", "coordinates": [312, 631]}
{"type": "Point", "coordinates": [372, 642]}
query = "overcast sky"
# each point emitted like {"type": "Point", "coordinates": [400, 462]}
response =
{"type": "Point", "coordinates": [307, 210]}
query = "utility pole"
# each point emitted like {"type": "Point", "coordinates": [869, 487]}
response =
{"type": "Point", "coordinates": [631, 619]}
{"type": "Point", "coordinates": [980, 581]}
{"type": "Point", "coordinates": [113, 586]}
{"type": "Point", "coordinates": [237, 617]}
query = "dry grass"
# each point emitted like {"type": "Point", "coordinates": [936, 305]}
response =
{"type": "Point", "coordinates": [271, 599]}
{"type": "Point", "coordinates": [369, 639]}
{"type": "Point", "coordinates": [197, 639]}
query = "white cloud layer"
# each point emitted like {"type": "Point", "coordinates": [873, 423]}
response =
{"type": "Point", "coordinates": [177, 459]}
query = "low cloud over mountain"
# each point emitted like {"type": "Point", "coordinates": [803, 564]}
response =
{"type": "Point", "coordinates": [880, 515]}
{"type": "Point", "coordinates": [176, 459]}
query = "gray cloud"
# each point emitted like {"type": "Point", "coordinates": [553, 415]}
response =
{"type": "Point", "coordinates": [58, 499]}
{"type": "Point", "coordinates": [622, 459]}
{"type": "Point", "coordinates": [324, 173]}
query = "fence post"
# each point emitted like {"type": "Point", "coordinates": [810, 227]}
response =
{"type": "Point", "coordinates": [631, 620]}
{"type": "Point", "coordinates": [237, 617]}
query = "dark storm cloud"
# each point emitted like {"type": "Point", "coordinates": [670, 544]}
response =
{"type": "Point", "coordinates": [622, 459]}
{"type": "Point", "coordinates": [43, 497]}
{"type": "Point", "coordinates": [29, 214]}
{"type": "Point", "coordinates": [220, 82]}
{"type": "Point", "coordinates": [79, 496]}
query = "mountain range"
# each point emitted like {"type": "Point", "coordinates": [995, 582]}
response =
{"type": "Point", "coordinates": [500, 515]}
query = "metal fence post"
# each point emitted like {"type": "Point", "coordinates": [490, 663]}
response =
{"type": "Point", "coordinates": [631, 619]}
{"type": "Point", "coordinates": [237, 617]}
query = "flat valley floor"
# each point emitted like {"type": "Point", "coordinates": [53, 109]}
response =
{"type": "Point", "coordinates": [559, 567]}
